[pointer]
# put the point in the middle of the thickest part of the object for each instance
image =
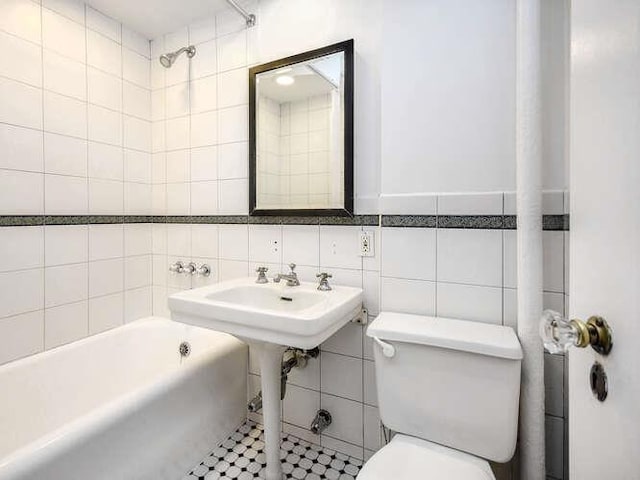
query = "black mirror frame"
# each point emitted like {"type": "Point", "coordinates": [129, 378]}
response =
{"type": "Point", "coordinates": [347, 48]}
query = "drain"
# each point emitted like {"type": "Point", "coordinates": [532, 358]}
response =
{"type": "Point", "coordinates": [185, 349]}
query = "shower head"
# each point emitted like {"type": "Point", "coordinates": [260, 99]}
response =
{"type": "Point", "coordinates": [167, 59]}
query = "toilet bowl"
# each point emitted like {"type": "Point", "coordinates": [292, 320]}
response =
{"type": "Point", "coordinates": [408, 458]}
{"type": "Point", "coordinates": [450, 389]}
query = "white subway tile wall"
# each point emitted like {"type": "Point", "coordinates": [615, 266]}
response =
{"type": "Point", "coordinates": [90, 123]}
{"type": "Point", "coordinates": [200, 117]}
{"type": "Point", "coordinates": [292, 154]}
{"type": "Point", "coordinates": [342, 379]}
{"type": "Point", "coordinates": [93, 104]}
{"type": "Point", "coordinates": [75, 137]}
{"type": "Point", "coordinates": [451, 272]}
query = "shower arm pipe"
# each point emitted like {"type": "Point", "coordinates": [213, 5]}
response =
{"type": "Point", "coordinates": [250, 18]}
{"type": "Point", "coordinates": [190, 51]}
{"type": "Point", "coordinates": [529, 235]}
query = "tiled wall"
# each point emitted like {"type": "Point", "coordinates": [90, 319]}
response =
{"type": "Point", "coordinates": [199, 166]}
{"type": "Point", "coordinates": [294, 157]}
{"type": "Point", "coordinates": [75, 138]}
{"type": "Point", "coordinates": [269, 188]}
{"type": "Point", "coordinates": [200, 121]}
{"type": "Point", "coordinates": [305, 152]}
{"type": "Point", "coordinates": [456, 272]}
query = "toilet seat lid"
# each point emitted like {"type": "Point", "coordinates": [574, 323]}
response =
{"type": "Point", "coordinates": [409, 458]}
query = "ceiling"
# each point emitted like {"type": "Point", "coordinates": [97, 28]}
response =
{"type": "Point", "coordinates": [153, 18]}
{"type": "Point", "coordinates": [313, 77]}
{"type": "Point", "coordinates": [306, 85]}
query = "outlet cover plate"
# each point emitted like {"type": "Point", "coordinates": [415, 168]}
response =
{"type": "Point", "coordinates": [366, 244]}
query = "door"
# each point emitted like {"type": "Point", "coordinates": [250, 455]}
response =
{"type": "Point", "coordinates": [604, 437]}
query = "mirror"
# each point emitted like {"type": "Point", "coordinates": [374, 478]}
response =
{"type": "Point", "coordinates": [301, 134]}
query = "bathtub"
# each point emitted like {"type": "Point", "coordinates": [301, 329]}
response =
{"type": "Point", "coordinates": [124, 404]}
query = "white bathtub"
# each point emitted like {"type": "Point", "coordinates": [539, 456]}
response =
{"type": "Point", "coordinates": [123, 404]}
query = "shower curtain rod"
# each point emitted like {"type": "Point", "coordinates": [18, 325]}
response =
{"type": "Point", "coordinates": [250, 18]}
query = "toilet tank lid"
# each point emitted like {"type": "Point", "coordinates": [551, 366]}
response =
{"type": "Point", "coordinates": [463, 335]}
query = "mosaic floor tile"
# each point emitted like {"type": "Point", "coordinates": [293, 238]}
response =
{"type": "Point", "coordinates": [242, 457]}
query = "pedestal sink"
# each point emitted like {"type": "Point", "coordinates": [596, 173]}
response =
{"type": "Point", "coordinates": [270, 317]}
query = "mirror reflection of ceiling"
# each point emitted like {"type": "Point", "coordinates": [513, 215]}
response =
{"type": "Point", "coordinates": [303, 80]}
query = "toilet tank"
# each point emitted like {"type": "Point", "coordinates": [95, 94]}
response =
{"type": "Point", "coordinates": [452, 382]}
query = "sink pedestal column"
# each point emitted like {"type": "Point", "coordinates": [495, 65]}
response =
{"type": "Point", "coordinates": [270, 369]}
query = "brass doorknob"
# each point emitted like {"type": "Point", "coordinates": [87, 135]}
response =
{"type": "Point", "coordinates": [558, 333]}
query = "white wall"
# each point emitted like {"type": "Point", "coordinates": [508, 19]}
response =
{"type": "Point", "coordinates": [448, 97]}
{"type": "Point", "coordinates": [306, 156]}
{"type": "Point", "coordinates": [284, 28]}
{"type": "Point", "coordinates": [293, 154]}
{"type": "Point", "coordinates": [287, 27]}
{"type": "Point", "coordinates": [474, 278]}
{"type": "Point", "coordinates": [198, 138]}
{"type": "Point", "coordinates": [269, 185]}
{"type": "Point", "coordinates": [75, 139]}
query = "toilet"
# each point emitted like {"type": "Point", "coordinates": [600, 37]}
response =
{"type": "Point", "coordinates": [450, 391]}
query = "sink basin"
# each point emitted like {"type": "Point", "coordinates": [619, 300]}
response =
{"type": "Point", "coordinates": [269, 317]}
{"type": "Point", "coordinates": [301, 316]}
{"type": "Point", "coordinates": [271, 299]}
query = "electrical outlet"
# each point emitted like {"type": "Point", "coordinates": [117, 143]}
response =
{"type": "Point", "coordinates": [366, 244]}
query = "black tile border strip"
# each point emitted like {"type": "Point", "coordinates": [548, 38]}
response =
{"type": "Point", "coordinates": [138, 219]}
{"type": "Point", "coordinates": [177, 219]}
{"type": "Point", "coordinates": [473, 222]}
{"type": "Point", "coordinates": [370, 220]}
{"type": "Point", "coordinates": [510, 222]}
{"type": "Point", "coordinates": [74, 220]}
{"type": "Point", "coordinates": [477, 222]}
{"type": "Point", "coordinates": [299, 220]}
{"type": "Point", "coordinates": [357, 220]}
{"type": "Point", "coordinates": [410, 221]}
{"type": "Point", "coordinates": [21, 220]}
{"type": "Point", "coordinates": [555, 222]}
{"type": "Point", "coordinates": [484, 222]}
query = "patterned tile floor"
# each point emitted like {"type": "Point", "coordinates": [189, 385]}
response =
{"type": "Point", "coordinates": [242, 457]}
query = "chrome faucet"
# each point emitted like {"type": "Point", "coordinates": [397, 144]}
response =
{"type": "Point", "coordinates": [324, 281]}
{"type": "Point", "coordinates": [291, 277]}
{"type": "Point", "coordinates": [262, 275]}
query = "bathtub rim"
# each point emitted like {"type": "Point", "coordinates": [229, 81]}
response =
{"type": "Point", "coordinates": [38, 356]}
{"type": "Point", "coordinates": [48, 446]}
